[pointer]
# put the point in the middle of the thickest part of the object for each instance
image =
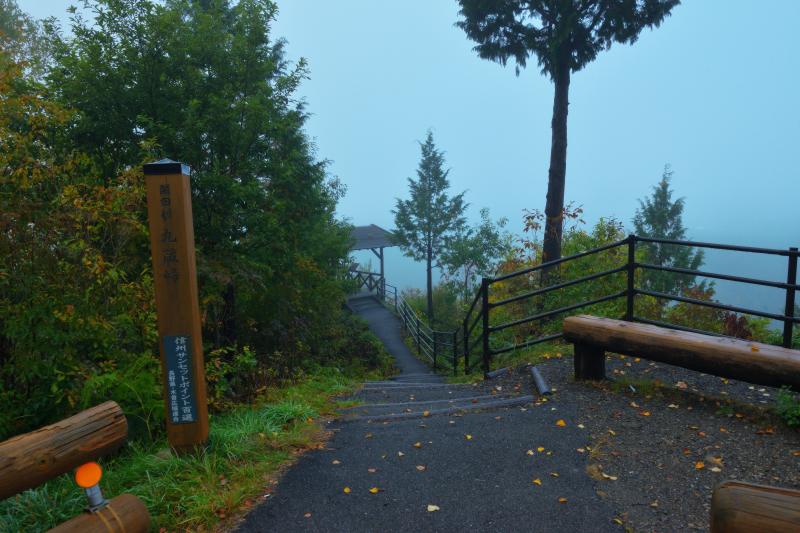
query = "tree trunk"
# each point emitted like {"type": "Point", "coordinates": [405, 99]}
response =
{"type": "Point", "coordinates": [430, 286]}
{"type": "Point", "coordinates": [554, 209]}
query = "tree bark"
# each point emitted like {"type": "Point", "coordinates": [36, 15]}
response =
{"type": "Point", "coordinates": [554, 209]}
{"type": "Point", "coordinates": [430, 286]}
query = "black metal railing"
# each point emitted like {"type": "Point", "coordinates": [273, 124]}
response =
{"type": "Point", "coordinates": [476, 339]}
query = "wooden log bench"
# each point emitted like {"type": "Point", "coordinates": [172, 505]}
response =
{"type": "Point", "coordinates": [738, 507]}
{"type": "Point", "coordinates": [748, 361]}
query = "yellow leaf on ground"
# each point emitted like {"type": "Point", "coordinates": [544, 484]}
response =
{"type": "Point", "coordinates": [607, 476]}
{"type": "Point", "coordinates": [346, 490]}
{"type": "Point", "coordinates": [554, 474]}
{"type": "Point", "coordinates": [715, 469]}
{"type": "Point", "coordinates": [540, 449]}
{"type": "Point", "coordinates": [611, 432]}
{"type": "Point", "coordinates": [645, 413]}
{"type": "Point", "coordinates": [417, 445]}
{"type": "Point", "coordinates": [368, 436]}
{"type": "Point", "coordinates": [562, 500]}
{"type": "Point", "coordinates": [468, 436]}
{"type": "Point", "coordinates": [421, 468]}
{"type": "Point", "coordinates": [529, 452]}
{"type": "Point", "coordinates": [537, 481]}
{"type": "Point", "coordinates": [796, 453]}
{"type": "Point", "coordinates": [426, 413]}
{"type": "Point", "coordinates": [581, 450]}
{"type": "Point", "coordinates": [560, 423]}
{"type": "Point", "coordinates": [374, 490]}
{"type": "Point", "coordinates": [432, 508]}
{"type": "Point", "coordinates": [336, 462]}
{"type": "Point", "coordinates": [754, 348]}
{"type": "Point", "coordinates": [699, 465]}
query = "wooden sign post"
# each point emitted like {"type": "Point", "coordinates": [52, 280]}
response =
{"type": "Point", "coordinates": [169, 210]}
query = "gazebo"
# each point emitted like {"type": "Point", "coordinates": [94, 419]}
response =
{"type": "Point", "coordinates": [372, 238]}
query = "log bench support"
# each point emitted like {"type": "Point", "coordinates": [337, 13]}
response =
{"type": "Point", "coordinates": [749, 361]}
{"type": "Point", "coordinates": [590, 361]}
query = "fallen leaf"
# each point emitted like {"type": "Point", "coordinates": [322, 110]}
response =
{"type": "Point", "coordinates": [432, 508]}
{"type": "Point", "coordinates": [796, 453]}
{"type": "Point", "coordinates": [562, 500]}
{"type": "Point", "coordinates": [417, 445]}
{"type": "Point", "coordinates": [611, 432]}
{"type": "Point", "coordinates": [375, 490]}
{"type": "Point", "coordinates": [307, 515]}
{"type": "Point", "coordinates": [581, 426]}
{"type": "Point", "coordinates": [371, 470]}
{"type": "Point", "coordinates": [540, 449]}
{"type": "Point", "coordinates": [645, 413]}
{"type": "Point", "coordinates": [336, 462]}
{"type": "Point", "coordinates": [681, 385]}
{"type": "Point", "coordinates": [468, 436]}
{"type": "Point", "coordinates": [618, 521]}
{"type": "Point", "coordinates": [766, 431]}
{"type": "Point", "coordinates": [529, 452]}
{"type": "Point", "coordinates": [537, 481]}
{"type": "Point", "coordinates": [634, 404]}
{"type": "Point", "coordinates": [368, 436]}
{"type": "Point", "coordinates": [636, 360]}
{"type": "Point", "coordinates": [554, 474]}
{"type": "Point", "coordinates": [400, 454]}
{"type": "Point", "coordinates": [607, 476]}
{"type": "Point", "coordinates": [754, 348]}
{"type": "Point", "coordinates": [672, 406]}
{"type": "Point", "coordinates": [421, 468]}
{"type": "Point", "coordinates": [560, 423]}
{"type": "Point", "coordinates": [426, 413]}
{"type": "Point", "coordinates": [346, 490]}
{"type": "Point", "coordinates": [654, 504]}
{"type": "Point", "coordinates": [581, 450]}
{"type": "Point", "coordinates": [699, 465]}
{"type": "Point", "coordinates": [701, 434]}
{"type": "Point", "coordinates": [715, 469]}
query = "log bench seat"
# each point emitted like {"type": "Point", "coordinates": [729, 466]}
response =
{"type": "Point", "coordinates": [753, 362]}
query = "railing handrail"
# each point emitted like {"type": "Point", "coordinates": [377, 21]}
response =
{"type": "Point", "coordinates": [428, 340]}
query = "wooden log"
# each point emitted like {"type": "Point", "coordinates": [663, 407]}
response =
{"type": "Point", "coordinates": [749, 361]}
{"type": "Point", "coordinates": [124, 514]}
{"type": "Point", "coordinates": [29, 460]}
{"type": "Point", "coordinates": [747, 508]}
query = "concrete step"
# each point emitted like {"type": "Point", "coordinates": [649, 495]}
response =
{"type": "Point", "coordinates": [443, 411]}
{"type": "Point", "coordinates": [420, 406]}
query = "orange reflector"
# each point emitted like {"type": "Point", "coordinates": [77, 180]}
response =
{"type": "Point", "coordinates": [88, 475]}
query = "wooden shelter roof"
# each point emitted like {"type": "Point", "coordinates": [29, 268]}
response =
{"type": "Point", "coordinates": [371, 237]}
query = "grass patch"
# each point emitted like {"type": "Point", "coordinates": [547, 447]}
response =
{"type": "Point", "coordinates": [191, 492]}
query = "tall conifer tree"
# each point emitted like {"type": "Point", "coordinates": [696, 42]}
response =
{"type": "Point", "coordinates": [565, 36]}
{"type": "Point", "coordinates": [661, 217]}
{"type": "Point", "coordinates": [429, 218]}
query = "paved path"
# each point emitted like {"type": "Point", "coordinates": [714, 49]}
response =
{"type": "Point", "coordinates": [467, 455]}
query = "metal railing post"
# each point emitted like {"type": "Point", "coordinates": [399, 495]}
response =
{"type": "Point", "coordinates": [419, 351]}
{"type": "Point", "coordinates": [395, 299]}
{"type": "Point", "coordinates": [630, 293]}
{"type": "Point", "coordinates": [791, 279]}
{"type": "Point", "coordinates": [485, 333]}
{"type": "Point", "coordinates": [435, 349]}
{"type": "Point", "coordinates": [455, 352]}
{"type": "Point", "coordinates": [466, 345]}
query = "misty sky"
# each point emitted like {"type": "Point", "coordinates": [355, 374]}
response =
{"type": "Point", "coordinates": [713, 92]}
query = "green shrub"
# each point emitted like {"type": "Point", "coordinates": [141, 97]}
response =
{"type": "Point", "coordinates": [788, 407]}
